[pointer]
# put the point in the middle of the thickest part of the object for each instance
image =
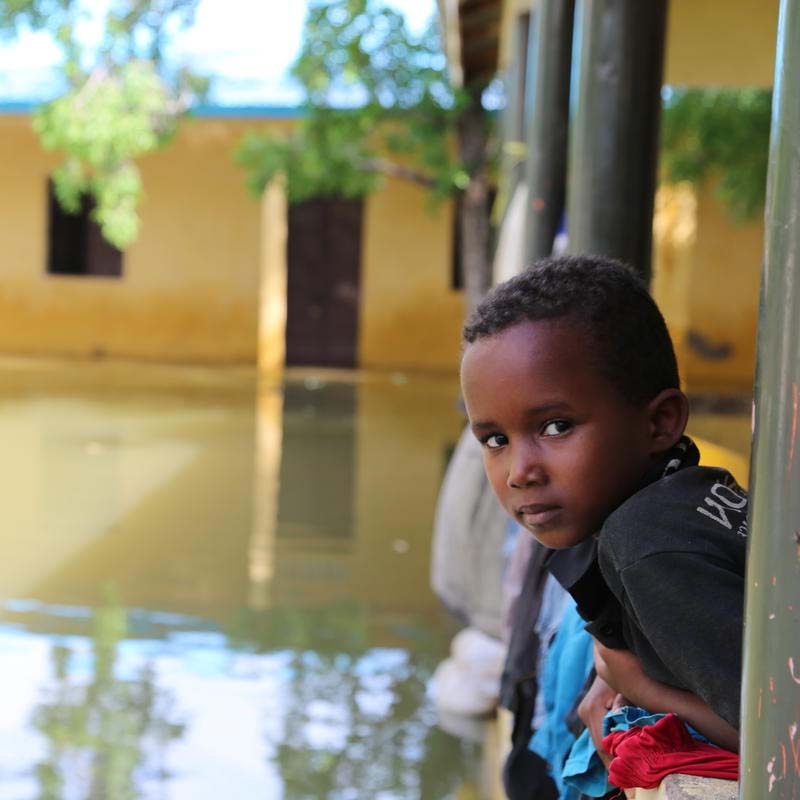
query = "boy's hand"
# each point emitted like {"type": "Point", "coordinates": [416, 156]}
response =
{"type": "Point", "coordinates": [596, 702]}
{"type": "Point", "coordinates": [622, 670]}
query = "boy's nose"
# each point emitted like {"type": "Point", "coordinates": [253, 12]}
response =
{"type": "Point", "coordinates": [525, 469]}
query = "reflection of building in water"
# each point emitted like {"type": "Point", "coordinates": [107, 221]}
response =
{"type": "Point", "coordinates": [360, 471]}
{"type": "Point", "coordinates": [109, 478]}
{"type": "Point", "coordinates": [301, 526]}
{"type": "Point", "coordinates": [317, 476]}
{"type": "Point", "coordinates": [261, 550]}
{"type": "Point", "coordinates": [203, 499]}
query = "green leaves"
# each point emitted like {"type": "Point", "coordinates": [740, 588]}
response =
{"type": "Point", "coordinates": [362, 51]}
{"type": "Point", "coordinates": [724, 133]}
{"type": "Point", "coordinates": [372, 90]}
{"type": "Point", "coordinates": [102, 126]}
{"type": "Point", "coordinates": [120, 104]}
{"type": "Point", "coordinates": [324, 157]}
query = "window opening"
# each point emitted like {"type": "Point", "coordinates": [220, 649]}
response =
{"type": "Point", "coordinates": [75, 244]}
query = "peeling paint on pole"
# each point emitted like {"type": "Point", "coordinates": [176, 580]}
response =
{"type": "Point", "coordinates": [771, 678]}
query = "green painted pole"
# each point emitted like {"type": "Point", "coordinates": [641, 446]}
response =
{"type": "Point", "coordinates": [515, 118]}
{"type": "Point", "coordinates": [771, 676]}
{"type": "Point", "coordinates": [546, 165]}
{"type": "Point", "coordinates": [614, 144]}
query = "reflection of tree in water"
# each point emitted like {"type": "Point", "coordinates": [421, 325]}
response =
{"type": "Point", "coordinates": [104, 732]}
{"type": "Point", "coordinates": [357, 723]}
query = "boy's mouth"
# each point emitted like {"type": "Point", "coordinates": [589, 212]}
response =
{"type": "Point", "coordinates": [537, 514]}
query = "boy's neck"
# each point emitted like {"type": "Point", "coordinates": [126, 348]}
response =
{"type": "Point", "coordinates": [683, 454]}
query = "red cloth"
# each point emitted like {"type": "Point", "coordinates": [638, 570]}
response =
{"type": "Point", "coordinates": [644, 755]}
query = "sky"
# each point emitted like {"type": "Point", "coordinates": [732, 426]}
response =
{"type": "Point", "coordinates": [248, 45]}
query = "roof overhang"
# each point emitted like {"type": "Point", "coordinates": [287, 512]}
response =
{"type": "Point", "coordinates": [471, 32]}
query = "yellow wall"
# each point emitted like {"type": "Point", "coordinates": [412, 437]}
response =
{"type": "Point", "coordinates": [196, 279]}
{"type": "Point", "coordinates": [410, 317]}
{"type": "Point", "coordinates": [706, 276]}
{"type": "Point", "coordinates": [708, 43]}
{"type": "Point", "coordinates": [190, 282]}
{"type": "Point", "coordinates": [721, 44]}
{"type": "Point", "coordinates": [674, 238]}
{"type": "Point", "coordinates": [723, 303]}
{"type": "Point", "coordinates": [706, 267]}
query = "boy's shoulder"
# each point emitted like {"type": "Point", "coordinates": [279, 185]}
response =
{"type": "Point", "coordinates": [696, 510]}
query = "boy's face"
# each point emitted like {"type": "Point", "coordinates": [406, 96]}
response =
{"type": "Point", "coordinates": [562, 448]}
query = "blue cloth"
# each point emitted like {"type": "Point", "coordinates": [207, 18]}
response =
{"type": "Point", "coordinates": [626, 717]}
{"type": "Point", "coordinates": [554, 600]}
{"type": "Point", "coordinates": [567, 665]}
{"type": "Point", "coordinates": [584, 769]}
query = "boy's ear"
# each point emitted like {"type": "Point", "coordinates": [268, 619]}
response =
{"type": "Point", "coordinates": [668, 413]}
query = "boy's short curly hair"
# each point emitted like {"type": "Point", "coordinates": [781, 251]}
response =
{"type": "Point", "coordinates": [611, 302]}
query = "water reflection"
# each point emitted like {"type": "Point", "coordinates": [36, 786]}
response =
{"type": "Point", "coordinates": [101, 727]}
{"type": "Point", "coordinates": [356, 722]}
{"type": "Point", "coordinates": [274, 632]}
{"type": "Point", "coordinates": [317, 473]}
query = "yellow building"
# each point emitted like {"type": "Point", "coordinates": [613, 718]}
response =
{"type": "Point", "coordinates": [206, 281]}
{"type": "Point", "coordinates": [714, 327]}
{"type": "Point", "coordinates": [706, 268]}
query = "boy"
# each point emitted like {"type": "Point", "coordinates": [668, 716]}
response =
{"type": "Point", "coordinates": [571, 385]}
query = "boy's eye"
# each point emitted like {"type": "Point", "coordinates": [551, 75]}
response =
{"type": "Point", "coordinates": [556, 427]}
{"type": "Point", "coordinates": [495, 440]}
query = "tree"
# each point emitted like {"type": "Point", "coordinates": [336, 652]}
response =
{"type": "Point", "coordinates": [120, 100]}
{"type": "Point", "coordinates": [379, 103]}
{"type": "Point", "coordinates": [722, 133]}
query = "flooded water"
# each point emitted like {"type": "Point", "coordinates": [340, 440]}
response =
{"type": "Point", "coordinates": [214, 589]}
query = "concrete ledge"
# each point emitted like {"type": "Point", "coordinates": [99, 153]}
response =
{"type": "Point", "coordinates": [690, 787]}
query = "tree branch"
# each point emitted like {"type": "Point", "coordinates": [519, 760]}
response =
{"type": "Point", "coordinates": [393, 170]}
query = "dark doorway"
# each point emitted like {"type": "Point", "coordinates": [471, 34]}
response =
{"type": "Point", "coordinates": [324, 267]}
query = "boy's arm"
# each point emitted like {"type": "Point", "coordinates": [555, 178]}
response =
{"type": "Point", "coordinates": [687, 609]}
{"type": "Point", "coordinates": [621, 670]}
